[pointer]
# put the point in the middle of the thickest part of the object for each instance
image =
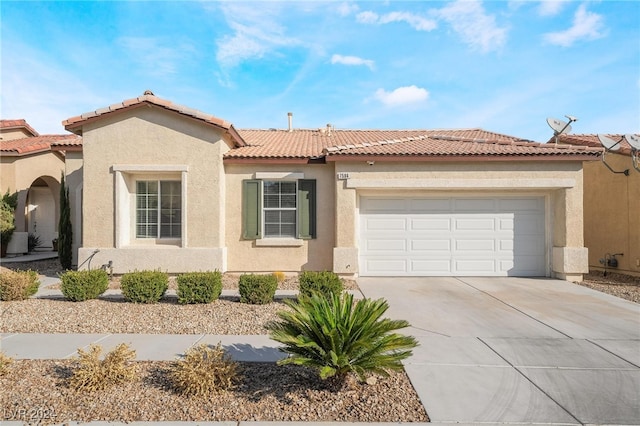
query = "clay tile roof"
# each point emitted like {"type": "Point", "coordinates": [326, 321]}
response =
{"type": "Point", "coordinates": [42, 143]}
{"type": "Point", "coordinates": [74, 124]}
{"type": "Point", "coordinates": [593, 141]}
{"type": "Point", "coordinates": [309, 144]}
{"type": "Point", "coordinates": [18, 124]}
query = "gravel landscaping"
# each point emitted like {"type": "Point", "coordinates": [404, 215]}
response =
{"type": "Point", "coordinates": [36, 391]}
{"type": "Point", "coordinates": [619, 285]}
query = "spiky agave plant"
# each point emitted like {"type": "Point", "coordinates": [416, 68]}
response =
{"type": "Point", "coordinates": [337, 336]}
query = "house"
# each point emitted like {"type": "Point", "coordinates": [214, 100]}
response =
{"type": "Point", "coordinates": [32, 165]}
{"type": "Point", "coordinates": [611, 206]}
{"type": "Point", "coordinates": [165, 186]}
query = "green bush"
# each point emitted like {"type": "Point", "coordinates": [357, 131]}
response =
{"type": "Point", "coordinates": [257, 289]}
{"type": "Point", "coordinates": [78, 286]}
{"type": "Point", "coordinates": [325, 282]}
{"type": "Point", "coordinates": [337, 336]}
{"type": "Point", "coordinates": [18, 285]}
{"type": "Point", "coordinates": [199, 287]}
{"type": "Point", "coordinates": [144, 286]}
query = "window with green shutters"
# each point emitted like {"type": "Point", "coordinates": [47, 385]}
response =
{"type": "Point", "coordinates": [279, 209]}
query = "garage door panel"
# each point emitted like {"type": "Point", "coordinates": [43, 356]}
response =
{"type": "Point", "coordinates": [453, 236]}
{"type": "Point", "coordinates": [386, 223]}
{"type": "Point", "coordinates": [474, 204]}
{"type": "Point", "coordinates": [519, 204]}
{"type": "Point", "coordinates": [476, 266]}
{"type": "Point", "coordinates": [430, 224]}
{"type": "Point", "coordinates": [431, 267]}
{"type": "Point", "coordinates": [387, 266]}
{"type": "Point", "coordinates": [432, 205]}
{"type": "Point", "coordinates": [382, 205]}
{"type": "Point", "coordinates": [429, 245]}
{"type": "Point", "coordinates": [377, 246]}
{"type": "Point", "coordinates": [475, 245]}
{"type": "Point", "coordinates": [475, 224]}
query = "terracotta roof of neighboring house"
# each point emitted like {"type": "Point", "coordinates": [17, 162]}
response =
{"type": "Point", "coordinates": [74, 124]}
{"type": "Point", "coordinates": [592, 140]}
{"type": "Point", "coordinates": [31, 145]}
{"type": "Point", "coordinates": [390, 144]}
{"type": "Point", "coordinates": [18, 124]}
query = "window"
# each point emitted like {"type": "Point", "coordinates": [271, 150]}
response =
{"type": "Point", "coordinates": [279, 209]}
{"type": "Point", "coordinates": [158, 209]}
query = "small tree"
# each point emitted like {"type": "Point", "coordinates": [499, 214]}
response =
{"type": "Point", "coordinates": [6, 224]}
{"type": "Point", "coordinates": [65, 231]}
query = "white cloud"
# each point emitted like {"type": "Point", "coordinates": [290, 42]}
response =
{"type": "Point", "coordinates": [256, 32]}
{"type": "Point", "coordinates": [415, 21]}
{"type": "Point", "coordinates": [477, 29]}
{"type": "Point", "coordinates": [346, 9]}
{"type": "Point", "coordinates": [586, 26]}
{"type": "Point", "coordinates": [154, 55]}
{"type": "Point", "coordinates": [551, 7]}
{"type": "Point", "coordinates": [351, 60]}
{"type": "Point", "coordinates": [402, 95]}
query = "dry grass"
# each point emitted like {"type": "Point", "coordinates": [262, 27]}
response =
{"type": "Point", "coordinates": [5, 363]}
{"type": "Point", "coordinates": [204, 370]}
{"type": "Point", "coordinates": [95, 374]}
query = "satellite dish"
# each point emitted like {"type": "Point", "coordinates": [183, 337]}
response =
{"type": "Point", "coordinates": [608, 143]}
{"type": "Point", "coordinates": [559, 127]}
{"type": "Point", "coordinates": [634, 141]}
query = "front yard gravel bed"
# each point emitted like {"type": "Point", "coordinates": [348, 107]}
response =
{"type": "Point", "coordinates": [619, 285]}
{"type": "Point", "coordinates": [35, 391]}
{"type": "Point", "coordinates": [114, 315]}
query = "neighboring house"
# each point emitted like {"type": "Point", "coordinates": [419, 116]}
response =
{"type": "Point", "coordinates": [171, 188]}
{"type": "Point", "coordinates": [32, 165]}
{"type": "Point", "coordinates": [611, 206]}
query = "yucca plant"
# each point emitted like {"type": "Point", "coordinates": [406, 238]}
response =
{"type": "Point", "coordinates": [336, 336]}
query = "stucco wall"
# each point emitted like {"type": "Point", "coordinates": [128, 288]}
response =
{"type": "Point", "coordinates": [249, 256]}
{"type": "Point", "coordinates": [10, 134]}
{"type": "Point", "coordinates": [612, 213]}
{"type": "Point", "coordinates": [559, 182]}
{"type": "Point", "coordinates": [18, 173]}
{"type": "Point", "coordinates": [149, 142]}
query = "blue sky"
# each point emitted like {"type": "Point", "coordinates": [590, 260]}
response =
{"type": "Point", "coordinates": [504, 66]}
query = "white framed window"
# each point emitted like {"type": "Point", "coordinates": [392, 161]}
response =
{"type": "Point", "coordinates": [158, 209]}
{"type": "Point", "coordinates": [279, 209]}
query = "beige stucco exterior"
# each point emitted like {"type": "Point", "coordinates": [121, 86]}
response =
{"type": "Point", "coordinates": [18, 174]}
{"type": "Point", "coordinates": [149, 143]}
{"type": "Point", "coordinates": [559, 183]}
{"type": "Point", "coordinates": [612, 213]}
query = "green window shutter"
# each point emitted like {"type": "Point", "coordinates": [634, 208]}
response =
{"type": "Point", "coordinates": [307, 209]}
{"type": "Point", "coordinates": [251, 209]}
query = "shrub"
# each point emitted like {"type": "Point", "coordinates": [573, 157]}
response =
{"type": "Point", "coordinates": [144, 286]}
{"type": "Point", "coordinates": [325, 283]}
{"type": "Point", "coordinates": [257, 289]}
{"type": "Point", "coordinates": [199, 287]}
{"type": "Point", "coordinates": [6, 223]}
{"type": "Point", "coordinates": [94, 374]}
{"type": "Point", "coordinates": [5, 362]}
{"type": "Point", "coordinates": [204, 370]}
{"type": "Point", "coordinates": [280, 276]}
{"type": "Point", "coordinates": [18, 285]}
{"type": "Point", "coordinates": [83, 285]}
{"type": "Point", "coordinates": [33, 242]}
{"type": "Point", "coordinates": [337, 336]}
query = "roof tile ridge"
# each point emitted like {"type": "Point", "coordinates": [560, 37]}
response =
{"type": "Point", "coordinates": [347, 147]}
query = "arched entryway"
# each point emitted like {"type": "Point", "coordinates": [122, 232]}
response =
{"type": "Point", "coordinates": [40, 205]}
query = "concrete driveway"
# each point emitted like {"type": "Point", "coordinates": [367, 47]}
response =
{"type": "Point", "coordinates": [518, 350]}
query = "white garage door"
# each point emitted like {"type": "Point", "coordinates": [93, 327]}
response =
{"type": "Point", "coordinates": [499, 236]}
